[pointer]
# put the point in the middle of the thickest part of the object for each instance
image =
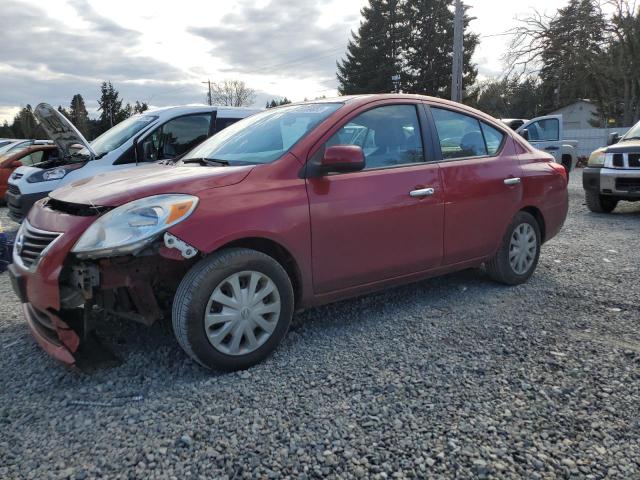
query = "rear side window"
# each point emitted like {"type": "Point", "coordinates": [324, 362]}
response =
{"type": "Point", "coordinates": [493, 138]}
{"type": "Point", "coordinates": [389, 136]}
{"type": "Point", "coordinates": [460, 135]}
{"type": "Point", "coordinates": [183, 133]}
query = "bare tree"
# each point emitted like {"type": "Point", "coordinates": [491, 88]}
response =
{"type": "Point", "coordinates": [233, 93]}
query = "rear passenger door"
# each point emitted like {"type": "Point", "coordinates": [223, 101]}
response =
{"type": "Point", "coordinates": [481, 180]}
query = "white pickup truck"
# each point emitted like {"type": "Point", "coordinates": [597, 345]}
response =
{"type": "Point", "coordinates": [546, 133]}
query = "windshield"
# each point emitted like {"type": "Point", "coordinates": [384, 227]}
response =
{"type": "Point", "coordinates": [116, 136]}
{"type": "Point", "coordinates": [264, 137]}
{"type": "Point", "coordinates": [633, 133]}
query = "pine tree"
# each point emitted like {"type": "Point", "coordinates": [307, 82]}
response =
{"type": "Point", "coordinates": [78, 114]}
{"type": "Point", "coordinates": [110, 106]}
{"type": "Point", "coordinates": [575, 40]}
{"type": "Point", "coordinates": [140, 107]}
{"type": "Point", "coordinates": [25, 125]}
{"type": "Point", "coordinates": [428, 48]}
{"type": "Point", "coordinates": [409, 38]}
{"type": "Point", "coordinates": [5, 130]}
{"type": "Point", "coordinates": [374, 53]}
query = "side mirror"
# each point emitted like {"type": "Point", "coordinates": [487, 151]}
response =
{"type": "Point", "coordinates": [525, 134]}
{"type": "Point", "coordinates": [341, 159]}
{"type": "Point", "coordinates": [149, 153]}
{"type": "Point", "coordinates": [613, 138]}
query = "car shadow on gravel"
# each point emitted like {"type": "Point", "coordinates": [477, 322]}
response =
{"type": "Point", "coordinates": [153, 352]}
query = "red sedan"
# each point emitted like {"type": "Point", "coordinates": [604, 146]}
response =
{"type": "Point", "coordinates": [24, 156]}
{"type": "Point", "coordinates": [290, 208]}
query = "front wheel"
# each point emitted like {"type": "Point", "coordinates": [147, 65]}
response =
{"type": "Point", "coordinates": [518, 254]}
{"type": "Point", "coordinates": [600, 203]}
{"type": "Point", "coordinates": [232, 309]}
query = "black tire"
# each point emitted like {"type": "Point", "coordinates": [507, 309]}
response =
{"type": "Point", "coordinates": [566, 163]}
{"type": "Point", "coordinates": [499, 268]}
{"type": "Point", "coordinates": [600, 203]}
{"type": "Point", "coordinates": [193, 295]}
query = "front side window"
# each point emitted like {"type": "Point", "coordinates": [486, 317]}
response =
{"type": "Point", "coordinates": [388, 136]}
{"type": "Point", "coordinates": [264, 137]}
{"type": "Point", "coordinates": [182, 134]}
{"type": "Point", "coordinates": [460, 135]}
{"type": "Point", "coordinates": [547, 130]}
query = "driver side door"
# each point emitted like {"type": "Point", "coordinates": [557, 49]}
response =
{"type": "Point", "coordinates": [385, 221]}
{"type": "Point", "coordinates": [546, 134]}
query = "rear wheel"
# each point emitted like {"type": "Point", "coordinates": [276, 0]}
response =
{"type": "Point", "coordinates": [232, 309]}
{"type": "Point", "coordinates": [518, 254]}
{"type": "Point", "coordinates": [600, 203]}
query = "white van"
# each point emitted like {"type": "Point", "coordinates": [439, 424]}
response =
{"type": "Point", "coordinates": [160, 134]}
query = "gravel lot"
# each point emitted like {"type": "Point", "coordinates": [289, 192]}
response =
{"type": "Point", "coordinates": [454, 376]}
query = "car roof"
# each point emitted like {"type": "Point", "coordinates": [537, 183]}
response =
{"type": "Point", "coordinates": [226, 111]}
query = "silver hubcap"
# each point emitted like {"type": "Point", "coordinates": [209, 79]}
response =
{"type": "Point", "coordinates": [242, 313]}
{"type": "Point", "coordinates": [522, 248]}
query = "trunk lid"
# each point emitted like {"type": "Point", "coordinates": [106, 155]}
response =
{"type": "Point", "coordinates": [59, 129]}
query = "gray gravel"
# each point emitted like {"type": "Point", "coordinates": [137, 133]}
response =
{"type": "Point", "coordinates": [454, 376]}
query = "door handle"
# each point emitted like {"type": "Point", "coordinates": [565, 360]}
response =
{"type": "Point", "coordinates": [512, 181]}
{"type": "Point", "coordinates": [424, 192]}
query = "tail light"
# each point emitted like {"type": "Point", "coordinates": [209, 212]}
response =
{"type": "Point", "coordinates": [560, 169]}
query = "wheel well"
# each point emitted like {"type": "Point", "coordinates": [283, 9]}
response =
{"type": "Point", "coordinates": [537, 214]}
{"type": "Point", "coordinates": [567, 161]}
{"type": "Point", "coordinates": [277, 252]}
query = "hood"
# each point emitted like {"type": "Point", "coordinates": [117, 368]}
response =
{"type": "Point", "coordinates": [630, 146]}
{"type": "Point", "coordinates": [60, 129]}
{"type": "Point", "coordinates": [112, 189]}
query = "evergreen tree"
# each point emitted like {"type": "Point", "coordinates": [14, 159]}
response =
{"type": "Point", "coordinates": [409, 38]}
{"type": "Point", "coordinates": [110, 106]}
{"type": "Point", "coordinates": [5, 130]}
{"type": "Point", "coordinates": [428, 47]}
{"type": "Point", "coordinates": [140, 107]}
{"type": "Point", "coordinates": [78, 114]}
{"type": "Point", "coordinates": [277, 103]}
{"type": "Point", "coordinates": [571, 69]}
{"type": "Point", "coordinates": [374, 53]}
{"type": "Point", "coordinates": [25, 125]}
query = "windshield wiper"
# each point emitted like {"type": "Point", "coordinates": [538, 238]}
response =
{"type": "Point", "coordinates": [630, 138]}
{"type": "Point", "coordinates": [207, 161]}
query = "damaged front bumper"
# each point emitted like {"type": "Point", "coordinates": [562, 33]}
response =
{"type": "Point", "coordinates": [64, 298]}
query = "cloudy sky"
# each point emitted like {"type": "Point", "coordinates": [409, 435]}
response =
{"type": "Point", "coordinates": [161, 51]}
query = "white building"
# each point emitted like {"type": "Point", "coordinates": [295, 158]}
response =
{"type": "Point", "coordinates": [578, 115]}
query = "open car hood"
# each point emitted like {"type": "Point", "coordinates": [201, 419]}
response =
{"type": "Point", "coordinates": [60, 129]}
{"type": "Point", "coordinates": [115, 188]}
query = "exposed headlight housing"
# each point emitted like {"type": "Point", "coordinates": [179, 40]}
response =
{"type": "Point", "coordinates": [597, 158]}
{"type": "Point", "coordinates": [132, 226]}
{"type": "Point", "coordinates": [56, 173]}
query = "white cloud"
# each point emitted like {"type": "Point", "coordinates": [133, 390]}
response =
{"type": "Point", "coordinates": [161, 51]}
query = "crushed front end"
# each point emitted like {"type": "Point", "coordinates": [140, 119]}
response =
{"type": "Point", "coordinates": [65, 296]}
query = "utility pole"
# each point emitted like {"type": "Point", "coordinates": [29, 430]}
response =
{"type": "Point", "coordinates": [458, 49]}
{"type": "Point", "coordinates": [209, 98]}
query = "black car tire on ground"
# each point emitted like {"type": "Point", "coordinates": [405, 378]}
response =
{"type": "Point", "coordinates": [193, 297]}
{"type": "Point", "coordinates": [600, 203]}
{"type": "Point", "coordinates": [499, 267]}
